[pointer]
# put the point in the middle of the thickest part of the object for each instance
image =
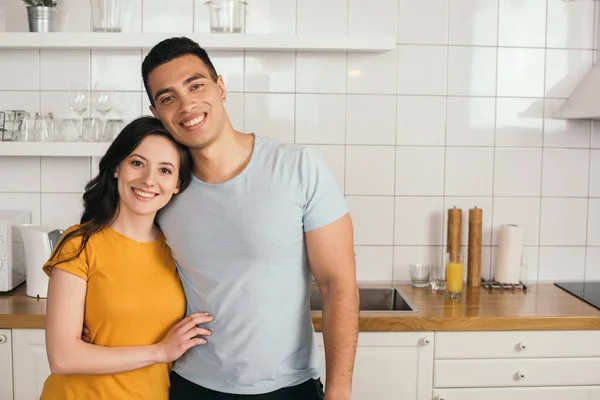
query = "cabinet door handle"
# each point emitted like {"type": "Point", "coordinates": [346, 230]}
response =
{"type": "Point", "coordinates": [3, 339]}
{"type": "Point", "coordinates": [427, 340]}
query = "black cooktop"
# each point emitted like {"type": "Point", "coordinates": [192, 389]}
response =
{"type": "Point", "coordinates": [586, 291]}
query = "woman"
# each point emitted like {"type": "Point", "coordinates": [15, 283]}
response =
{"type": "Point", "coordinates": [114, 273]}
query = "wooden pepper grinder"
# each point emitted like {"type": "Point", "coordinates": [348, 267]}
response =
{"type": "Point", "coordinates": [454, 231]}
{"type": "Point", "coordinates": [474, 248]}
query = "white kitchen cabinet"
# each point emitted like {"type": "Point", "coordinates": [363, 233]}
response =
{"type": "Point", "coordinates": [391, 365]}
{"type": "Point", "coordinates": [30, 363]}
{"type": "Point", "coordinates": [533, 393]}
{"type": "Point", "coordinates": [514, 373]}
{"type": "Point", "coordinates": [518, 365]}
{"type": "Point", "coordinates": [6, 367]}
{"type": "Point", "coordinates": [517, 344]}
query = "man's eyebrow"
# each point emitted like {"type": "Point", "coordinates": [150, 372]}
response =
{"type": "Point", "coordinates": [193, 78]}
{"type": "Point", "coordinates": [162, 91]}
{"type": "Point", "coordinates": [186, 82]}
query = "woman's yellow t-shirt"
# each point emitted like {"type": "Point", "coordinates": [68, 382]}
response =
{"type": "Point", "coordinates": [134, 296]}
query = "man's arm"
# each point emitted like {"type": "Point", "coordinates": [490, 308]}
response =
{"type": "Point", "coordinates": [331, 257]}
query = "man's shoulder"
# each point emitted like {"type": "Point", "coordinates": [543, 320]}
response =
{"type": "Point", "coordinates": [269, 146]}
{"type": "Point", "coordinates": [273, 153]}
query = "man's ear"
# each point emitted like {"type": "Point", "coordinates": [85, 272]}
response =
{"type": "Point", "coordinates": [153, 111]}
{"type": "Point", "coordinates": [222, 88]}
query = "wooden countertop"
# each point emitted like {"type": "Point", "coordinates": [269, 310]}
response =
{"type": "Point", "coordinates": [541, 307]}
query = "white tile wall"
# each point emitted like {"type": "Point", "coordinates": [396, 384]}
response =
{"type": "Point", "coordinates": [459, 114]}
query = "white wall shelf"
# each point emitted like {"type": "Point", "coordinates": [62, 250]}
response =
{"type": "Point", "coordinates": [262, 42]}
{"type": "Point", "coordinates": [52, 149]}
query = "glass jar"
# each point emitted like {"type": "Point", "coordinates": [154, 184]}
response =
{"type": "Point", "coordinates": [106, 15]}
{"type": "Point", "coordinates": [227, 16]}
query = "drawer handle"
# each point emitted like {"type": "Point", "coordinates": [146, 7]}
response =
{"type": "Point", "coordinates": [522, 345]}
{"type": "Point", "coordinates": [520, 375]}
{"type": "Point", "coordinates": [3, 339]}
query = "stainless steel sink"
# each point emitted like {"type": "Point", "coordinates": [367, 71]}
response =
{"type": "Point", "coordinates": [371, 299]}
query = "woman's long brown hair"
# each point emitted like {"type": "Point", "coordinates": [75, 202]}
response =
{"type": "Point", "coordinates": [101, 197]}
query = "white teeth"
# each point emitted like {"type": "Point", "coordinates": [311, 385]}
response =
{"type": "Point", "coordinates": [194, 121]}
{"type": "Point", "coordinates": [143, 194]}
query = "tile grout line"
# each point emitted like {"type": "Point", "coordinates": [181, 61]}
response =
{"type": "Point", "coordinates": [40, 110]}
{"type": "Point", "coordinates": [589, 201]}
{"type": "Point", "coordinates": [297, 5]}
{"type": "Point", "coordinates": [444, 206]}
{"type": "Point", "coordinates": [395, 149]}
{"type": "Point", "coordinates": [491, 259]}
{"type": "Point", "coordinates": [492, 46]}
{"type": "Point", "coordinates": [542, 150]}
{"type": "Point", "coordinates": [587, 219]}
{"type": "Point", "coordinates": [395, 174]}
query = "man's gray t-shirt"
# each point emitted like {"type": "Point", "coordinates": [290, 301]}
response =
{"type": "Point", "coordinates": [241, 254]}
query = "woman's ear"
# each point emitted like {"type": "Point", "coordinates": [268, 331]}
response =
{"type": "Point", "coordinates": [116, 173]}
{"type": "Point", "coordinates": [176, 191]}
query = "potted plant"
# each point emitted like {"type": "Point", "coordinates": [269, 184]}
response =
{"type": "Point", "coordinates": [41, 15]}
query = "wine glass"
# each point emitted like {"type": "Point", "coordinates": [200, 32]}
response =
{"type": "Point", "coordinates": [79, 99]}
{"type": "Point", "coordinates": [102, 100]}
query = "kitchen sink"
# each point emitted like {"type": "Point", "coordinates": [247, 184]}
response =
{"type": "Point", "coordinates": [371, 299]}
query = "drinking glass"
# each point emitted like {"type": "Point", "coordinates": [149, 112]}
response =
{"type": "Point", "coordinates": [419, 274]}
{"type": "Point", "coordinates": [112, 129]}
{"type": "Point", "coordinates": [69, 130]}
{"type": "Point", "coordinates": [438, 277]}
{"type": "Point", "coordinates": [44, 127]}
{"type": "Point", "coordinates": [27, 131]}
{"type": "Point", "coordinates": [102, 98]}
{"type": "Point", "coordinates": [106, 15]}
{"type": "Point", "coordinates": [454, 274]}
{"type": "Point", "coordinates": [79, 99]}
{"type": "Point", "coordinates": [92, 130]}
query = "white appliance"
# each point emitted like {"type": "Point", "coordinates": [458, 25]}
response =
{"type": "Point", "coordinates": [39, 242]}
{"type": "Point", "coordinates": [12, 261]}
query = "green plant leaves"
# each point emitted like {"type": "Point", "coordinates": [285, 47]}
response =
{"type": "Point", "coordinates": [43, 3]}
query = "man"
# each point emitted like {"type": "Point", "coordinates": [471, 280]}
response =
{"type": "Point", "coordinates": [258, 218]}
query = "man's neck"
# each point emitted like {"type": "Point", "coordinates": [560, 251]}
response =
{"type": "Point", "coordinates": [223, 159]}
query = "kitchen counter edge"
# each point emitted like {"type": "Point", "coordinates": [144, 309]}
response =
{"type": "Point", "coordinates": [541, 307]}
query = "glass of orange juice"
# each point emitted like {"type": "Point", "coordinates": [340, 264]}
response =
{"type": "Point", "coordinates": [454, 274]}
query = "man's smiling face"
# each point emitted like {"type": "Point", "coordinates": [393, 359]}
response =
{"type": "Point", "coordinates": [189, 102]}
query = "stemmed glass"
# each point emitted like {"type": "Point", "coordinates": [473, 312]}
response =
{"type": "Point", "coordinates": [102, 100]}
{"type": "Point", "coordinates": [79, 99]}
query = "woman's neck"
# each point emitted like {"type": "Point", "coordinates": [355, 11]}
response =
{"type": "Point", "coordinates": [140, 228]}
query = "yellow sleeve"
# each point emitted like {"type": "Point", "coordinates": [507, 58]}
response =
{"type": "Point", "coordinates": [78, 266]}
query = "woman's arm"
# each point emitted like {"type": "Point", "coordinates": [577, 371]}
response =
{"type": "Point", "coordinates": [68, 354]}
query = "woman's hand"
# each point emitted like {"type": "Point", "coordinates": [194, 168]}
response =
{"type": "Point", "coordinates": [182, 336]}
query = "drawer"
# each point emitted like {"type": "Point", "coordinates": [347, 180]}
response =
{"type": "Point", "coordinates": [523, 372]}
{"type": "Point", "coordinates": [541, 393]}
{"type": "Point", "coordinates": [517, 344]}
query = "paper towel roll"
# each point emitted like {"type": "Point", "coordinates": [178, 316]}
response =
{"type": "Point", "coordinates": [508, 258]}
